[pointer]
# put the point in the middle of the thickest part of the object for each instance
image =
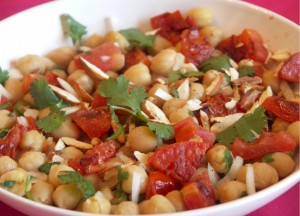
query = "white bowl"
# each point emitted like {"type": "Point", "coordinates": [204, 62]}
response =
{"type": "Point", "coordinates": [38, 30]}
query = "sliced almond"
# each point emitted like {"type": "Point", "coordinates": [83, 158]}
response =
{"type": "Point", "coordinates": [192, 105]}
{"type": "Point", "coordinates": [224, 122]}
{"type": "Point", "coordinates": [66, 86]}
{"type": "Point", "coordinates": [204, 120]}
{"type": "Point", "coordinates": [156, 112]}
{"type": "Point", "coordinates": [59, 145]}
{"type": "Point", "coordinates": [75, 143]}
{"type": "Point", "coordinates": [184, 90]}
{"type": "Point", "coordinates": [65, 95]}
{"type": "Point", "coordinates": [215, 87]}
{"type": "Point", "coordinates": [163, 94]}
{"type": "Point", "coordinates": [82, 93]}
{"type": "Point", "coordinates": [94, 70]}
{"type": "Point", "coordinates": [250, 80]}
{"type": "Point", "coordinates": [70, 110]}
{"type": "Point", "coordinates": [281, 55]}
{"type": "Point", "coordinates": [230, 104]}
{"type": "Point", "coordinates": [4, 92]}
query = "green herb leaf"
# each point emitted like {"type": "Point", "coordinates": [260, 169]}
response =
{"type": "Point", "coordinates": [246, 71]}
{"type": "Point", "coordinates": [4, 106]}
{"type": "Point", "coordinates": [45, 168]}
{"type": "Point", "coordinates": [267, 158]}
{"type": "Point", "coordinates": [161, 130]}
{"type": "Point", "coordinates": [114, 117]}
{"type": "Point", "coordinates": [73, 29]}
{"type": "Point", "coordinates": [177, 75]}
{"type": "Point", "coordinates": [137, 37]}
{"type": "Point", "coordinates": [52, 121]}
{"type": "Point", "coordinates": [216, 63]}
{"type": "Point", "coordinates": [3, 76]}
{"type": "Point", "coordinates": [20, 107]}
{"type": "Point", "coordinates": [42, 94]}
{"type": "Point", "coordinates": [4, 132]}
{"type": "Point", "coordinates": [174, 92]}
{"type": "Point", "coordinates": [118, 193]}
{"type": "Point", "coordinates": [228, 159]}
{"type": "Point", "coordinates": [8, 183]}
{"type": "Point", "coordinates": [27, 187]}
{"type": "Point", "coordinates": [85, 186]}
{"type": "Point", "coordinates": [246, 127]}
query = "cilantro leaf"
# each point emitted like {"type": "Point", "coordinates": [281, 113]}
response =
{"type": "Point", "coordinates": [45, 168]}
{"type": "Point", "coordinates": [136, 36]}
{"type": "Point", "coordinates": [114, 117]}
{"type": "Point", "coordinates": [119, 194]}
{"type": "Point", "coordinates": [216, 63]}
{"type": "Point", "coordinates": [161, 130]}
{"type": "Point", "coordinates": [177, 75]}
{"type": "Point", "coordinates": [27, 187]}
{"type": "Point", "coordinates": [246, 127]}
{"type": "Point", "coordinates": [72, 28]}
{"type": "Point", "coordinates": [3, 76]}
{"type": "Point", "coordinates": [85, 186]}
{"type": "Point", "coordinates": [8, 183]}
{"type": "Point", "coordinates": [3, 132]}
{"type": "Point", "coordinates": [51, 121]}
{"type": "Point", "coordinates": [42, 94]}
{"type": "Point", "coordinates": [4, 106]}
{"type": "Point", "coordinates": [246, 71]}
{"type": "Point", "coordinates": [267, 158]}
{"type": "Point", "coordinates": [116, 90]}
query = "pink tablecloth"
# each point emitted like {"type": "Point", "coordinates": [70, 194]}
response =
{"type": "Point", "coordinates": [285, 205]}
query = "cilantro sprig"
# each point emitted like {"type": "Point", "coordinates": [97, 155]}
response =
{"type": "Point", "coordinates": [27, 187]}
{"type": "Point", "coordinates": [246, 127]}
{"type": "Point", "coordinates": [3, 76]}
{"type": "Point", "coordinates": [218, 63]}
{"type": "Point", "coordinates": [45, 168]}
{"type": "Point", "coordinates": [138, 38]}
{"type": "Point", "coordinates": [85, 186]}
{"type": "Point", "coordinates": [118, 193]}
{"type": "Point", "coordinates": [8, 183]}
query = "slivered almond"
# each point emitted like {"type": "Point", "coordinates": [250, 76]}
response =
{"type": "Point", "coordinates": [70, 110]}
{"type": "Point", "coordinates": [215, 87]}
{"type": "Point", "coordinates": [94, 70]}
{"type": "Point", "coordinates": [204, 120]}
{"type": "Point", "coordinates": [65, 95]}
{"type": "Point", "coordinates": [281, 55]}
{"type": "Point", "coordinates": [66, 86]}
{"type": "Point", "coordinates": [224, 122]}
{"type": "Point", "coordinates": [163, 94]}
{"type": "Point", "coordinates": [59, 145]}
{"type": "Point", "coordinates": [156, 112]}
{"type": "Point", "coordinates": [250, 80]}
{"type": "Point", "coordinates": [184, 90]}
{"type": "Point", "coordinates": [4, 92]}
{"type": "Point", "coordinates": [82, 93]}
{"type": "Point", "coordinates": [192, 105]}
{"type": "Point", "coordinates": [75, 143]}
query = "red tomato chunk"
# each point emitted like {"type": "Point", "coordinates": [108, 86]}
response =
{"type": "Point", "coordinates": [290, 71]}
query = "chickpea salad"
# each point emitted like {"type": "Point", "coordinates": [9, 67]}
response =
{"type": "Point", "coordinates": [127, 122]}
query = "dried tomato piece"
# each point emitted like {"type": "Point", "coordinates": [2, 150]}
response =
{"type": "Point", "coordinates": [290, 71]}
{"type": "Point", "coordinates": [135, 56]}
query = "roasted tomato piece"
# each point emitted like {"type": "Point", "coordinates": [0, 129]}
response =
{"type": "Point", "coordinates": [10, 142]}
{"type": "Point", "coordinates": [188, 129]}
{"type": "Point", "coordinates": [290, 71]}
{"type": "Point", "coordinates": [94, 122]}
{"type": "Point", "coordinates": [282, 108]}
{"type": "Point", "coordinates": [160, 183]}
{"type": "Point", "coordinates": [29, 78]}
{"type": "Point", "coordinates": [99, 101]}
{"type": "Point", "coordinates": [179, 160]}
{"type": "Point", "coordinates": [247, 45]}
{"type": "Point", "coordinates": [135, 56]}
{"type": "Point", "coordinates": [268, 142]}
{"type": "Point", "coordinates": [6, 103]}
{"type": "Point", "coordinates": [198, 193]}
{"type": "Point", "coordinates": [170, 24]}
{"type": "Point", "coordinates": [94, 159]}
{"type": "Point", "coordinates": [107, 56]}
{"type": "Point", "coordinates": [195, 47]}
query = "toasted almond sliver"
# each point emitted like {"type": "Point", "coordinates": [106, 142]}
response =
{"type": "Point", "coordinates": [65, 95]}
{"type": "Point", "coordinates": [70, 110]}
{"type": "Point", "coordinates": [184, 90]}
{"type": "Point", "coordinates": [75, 143]}
{"type": "Point", "coordinates": [94, 71]}
{"type": "Point", "coordinates": [83, 94]}
{"type": "Point", "coordinates": [156, 112]}
{"type": "Point", "coordinates": [67, 86]}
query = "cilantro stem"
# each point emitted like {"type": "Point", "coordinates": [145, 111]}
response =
{"type": "Point", "coordinates": [116, 120]}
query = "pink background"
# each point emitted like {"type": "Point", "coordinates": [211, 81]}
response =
{"type": "Point", "coordinates": [285, 205]}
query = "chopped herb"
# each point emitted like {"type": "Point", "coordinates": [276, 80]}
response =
{"type": "Point", "coordinates": [177, 75]}
{"type": "Point", "coordinates": [3, 76]}
{"type": "Point", "coordinates": [228, 159]}
{"type": "Point", "coordinates": [45, 168]}
{"type": "Point", "coordinates": [4, 106]}
{"type": "Point", "coordinates": [114, 117]}
{"type": "Point", "coordinates": [20, 107]}
{"type": "Point", "coordinates": [8, 183]}
{"type": "Point", "coordinates": [4, 132]}
{"type": "Point", "coordinates": [162, 130]}
{"type": "Point", "coordinates": [138, 38]}
{"type": "Point", "coordinates": [268, 158]}
{"type": "Point", "coordinates": [52, 121]}
{"type": "Point", "coordinates": [27, 187]}
{"type": "Point", "coordinates": [85, 186]}
{"type": "Point", "coordinates": [246, 71]}
{"type": "Point", "coordinates": [119, 194]}
{"type": "Point", "coordinates": [73, 29]}
{"type": "Point", "coordinates": [175, 92]}
{"type": "Point", "coordinates": [244, 194]}
{"type": "Point", "coordinates": [218, 63]}
{"type": "Point", "coordinates": [58, 67]}
{"type": "Point", "coordinates": [246, 127]}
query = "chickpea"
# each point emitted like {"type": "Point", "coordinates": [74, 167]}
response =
{"type": "Point", "coordinates": [72, 67]}
{"type": "Point", "coordinates": [62, 56]}
{"type": "Point", "coordinates": [7, 164]}
{"type": "Point", "coordinates": [80, 77]}
{"type": "Point", "coordinates": [293, 129]}
{"type": "Point", "coordinates": [141, 139]}
{"type": "Point", "coordinates": [94, 178]}
{"type": "Point", "coordinates": [42, 192]}
{"type": "Point", "coordinates": [139, 74]}
{"type": "Point", "coordinates": [71, 152]}
{"type": "Point", "coordinates": [19, 176]}
{"type": "Point", "coordinates": [55, 171]}
{"type": "Point", "coordinates": [59, 72]}
{"type": "Point", "coordinates": [279, 125]}
{"type": "Point", "coordinates": [8, 119]}
{"type": "Point", "coordinates": [117, 37]}
{"type": "Point", "coordinates": [179, 115]}
{"type": "Point", "coordinates": [220, 158]}
{"type": "Point", "coordinates": [160, 43]}
{"type": "Point", "coordinates": [94, 40]}
{"type": "Point", "coordinates": [127, 183]}
{"type": "Point", "coordinates": [201, 16]}
{"type": "Point", "coordinates": [32, 140]}
{"type": "Point", "coordinates": [33, 64]}
{"type": "Point", "coordinates": [156, 204]}
{"type": "Point", "coordinates": [283, 164]}
{"type": "Point", "coordinates": [166, 61]}
{"type": "Point", "coordinates": [196, 91]}
{"type": "Point", "coordinates": [29, 99]}
{"type": "Point", "coordinates": [15, 88]}
{"type": "Point", "coordinates": [173, 105]}
{"type": "Point", "coordinates": [96, 204]}
{"type": "Point", "coordinates": [231, 190]}
{"type": "Point", "coordinates": [66, 196]}
{"type": "Point", "coordinates": [264, 175]}
{"type": "Point", "coordinates": [151, 93]}
{"type": "Point", "coordinates": [269, 79]}
{"type": "Point", "coordinates": [107, 193]}
{"type": "Point", "coordinates": [213, 34]}
{"type": "Point", "coordinates": [32, 160]}
{"type": "Point", "coordinates": [175, 198]}
{"type": "Point", "coordinates": [66, 129]}
{"type": "Point", "coordinates": [126, 208]}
